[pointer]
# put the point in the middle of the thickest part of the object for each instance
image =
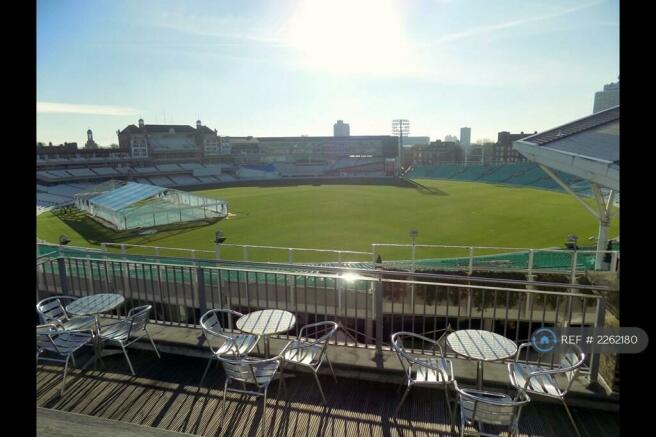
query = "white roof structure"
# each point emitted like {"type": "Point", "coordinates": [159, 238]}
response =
{"type": "Point", "coordinates": [588, 148]}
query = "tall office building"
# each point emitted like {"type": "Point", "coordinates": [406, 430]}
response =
{"type": "Point", "coordinates": [341, 129]}
{"type": "Point", "coordinates": [465, 137]}
{"type": "Point", "coordinates": [607, 98]}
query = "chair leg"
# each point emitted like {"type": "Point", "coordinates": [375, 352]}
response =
{"type": "Point", "coordinates": [63, 386]}
{"type": "Point", "coordinates": [223, 408]}
{"type": "Point", "coordinates": [263, 427]}
{"type": "Point", "coordinates": [125, 352]}
{"type": "Point", "coordinates": [407, 390]}
{"type": "Point", "coordinates": [209, 363]}
{"type": "Point", "coordinates": [331, 368]}
{"type": "Point", "coordinates": [73, 360]}
{"type": "Point", "coordinates": [448, 407]}
{"type": "Point", "coordinates": [320, 389]}
{"type": "Point", "coordinates": [153, 343]}
{"type": "Point", "coordinates": [571, 418]}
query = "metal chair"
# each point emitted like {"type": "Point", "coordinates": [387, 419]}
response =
{"type": "Point", "coordinates": [51, 338]}
{"type": "Point", "coordinates": [52, 310]}
{"type": "Point", "coordinates": [487, 408]}
{"type": "Point", "coordinates": [125, 332]}
{"type": "Point", "coordinates": [234, 345]}
{"type": "Point", "coordinates": [309, 349]}
{"type": "Point", "coordinates": [423, 370]}
{"type": "Point", "coordinates": [540, 379]}
{"type": "Point", "coordinates": [254, 372]}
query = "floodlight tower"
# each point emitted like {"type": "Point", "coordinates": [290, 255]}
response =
{"type": "Point", "coordinates": [400, 127]}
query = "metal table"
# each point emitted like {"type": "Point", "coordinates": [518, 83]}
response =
{"type": "Point", "coordinates": [481, 346]}
{"type": "Point", "coordinates": [265, 323]}
{"type": "Point", "coordinates": [94, 305]}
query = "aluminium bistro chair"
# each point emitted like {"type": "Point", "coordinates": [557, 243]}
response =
{"type": "Point", "coordinates": [234, 345]}
{"type": "Point", "coordinates": [52, 310]}
{"type": "Point", "coordinates": [127, 331]}
{"type": "Point", "coordinates": [423, 371]}
{"type": "Point", "coordinates": [254, 372]}
{"type": "Point", "coordinates": [541, 379]}
{"type": "Point", "coordinates": [309, 349]}
{"type": "Point", "coordinates": [51, 339]}
{"type": "Point", "coordinates": [487, 408]}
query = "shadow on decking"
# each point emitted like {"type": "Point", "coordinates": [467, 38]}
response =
{"type": "Point", "coordinates": [165, 394]}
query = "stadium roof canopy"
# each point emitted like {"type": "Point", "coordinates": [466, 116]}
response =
{"type": "Point", "coordinates": [588, 148]}
{"type": "Point", "coordinates": [126, 195]}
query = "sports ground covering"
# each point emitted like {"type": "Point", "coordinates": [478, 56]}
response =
{"type": "Point", "coordinates": [352, 217]}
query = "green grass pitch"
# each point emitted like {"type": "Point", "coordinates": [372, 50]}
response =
{"type": "Point", "coordinates": [351, 217]}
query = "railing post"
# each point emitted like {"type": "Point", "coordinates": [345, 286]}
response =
{"type": "Point", "coordinates": [373, 254]}
{"type": "Point", "coordinates": [378, 356]}
{"type": "Point", "coordinates": [157, 252]}
{"type": "Point", "coordinates": [245, 253]}
{"type": "Point", "coordinates": [530, 263]}
{"type": "Point", "coordinates": [290, 255]}
{"type": "Point", "coordinates": [595, 358]}
{"type": "Point", "coordinates": [122, 249]}
{"type": "Point", "coordinates": [471, 260]}
{"type": "Point", "coordinates": [613, 261]}
{"type": "Point", "coordinates": [63, 279]}
{"type": "Point", "coordinates": [218, 251]}
{"type": "Point", "coordinates": [103, 246]}
{"type": "Point", "coordinates": [200, 283]}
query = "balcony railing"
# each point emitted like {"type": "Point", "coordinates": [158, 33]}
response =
{"type": "Point", "coordinates": [368, 304]}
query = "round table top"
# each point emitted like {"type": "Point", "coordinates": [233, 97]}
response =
{"type": "Point", "coordinates": [94, 304]}
{"type": "Point", "coordinates": [266, 322]}
{"type": "Point", "coordinates": [481, 345]}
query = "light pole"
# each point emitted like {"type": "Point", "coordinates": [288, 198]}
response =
{"type": "Point", "coordinates": [400, 127]}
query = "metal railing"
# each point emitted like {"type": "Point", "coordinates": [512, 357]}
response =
{"type": "Point", "coordinates": [368, 304]}
{"type": "Point", "coordinates": [413, 257]}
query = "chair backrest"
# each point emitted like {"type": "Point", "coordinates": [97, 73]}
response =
{"type": "Point", "coordinates": [51, 309]}
{"type": "Point", "coordinates": [571, 360]}
{"type": "Point", "coordinates": [406, 358]}
{"type": "Point", "coordinates": [250, 370]}
{"type": "Point", "coordinates": [138, 318]}
{"type": "Point", "coordinates": [491, 408]}
{"type": "Point", "coordinates": [210, 324]}
{"type": "Point", "coordinates": [566, 359]}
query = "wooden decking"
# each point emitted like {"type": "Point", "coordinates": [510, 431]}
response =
{"type": "Point", "coordinates": [165, 394]}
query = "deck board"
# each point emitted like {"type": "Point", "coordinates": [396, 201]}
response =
{"type": "Point", "coordinates": [165, 394]}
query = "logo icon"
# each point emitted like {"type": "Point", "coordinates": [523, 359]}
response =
{"type": "Point", "coordinates": [544, 340]}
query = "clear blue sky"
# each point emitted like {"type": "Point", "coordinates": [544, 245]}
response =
{"type": "Point", "coordinates": [269, 68]}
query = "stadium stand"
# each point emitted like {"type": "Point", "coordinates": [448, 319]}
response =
{"type": "Point", "coordinates": [182, 180]}
{"type": "Point", "coordinates": [146, 170]}
{"type": "Point", "coordinates": [161, 181]}
{"type": "Point", "coordinates": [105, 171]}
{"type": "Point", "coordinates": [227, 178]}
{"type": "Point", "coordinates": [80, 172]}
{"type": "Point", "coordinates": [168, 168]}
{"type": "Point", "coordinates": [190, 165]}
{"type": "Point", "coordinates": [521, 174]}
{"type": "Point", "coordinates": [208, 179]}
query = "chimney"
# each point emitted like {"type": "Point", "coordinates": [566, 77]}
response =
{"type": "Point", "coordinates": [198, 124]}
{"type": "Point", "coordinates": [141, 123]}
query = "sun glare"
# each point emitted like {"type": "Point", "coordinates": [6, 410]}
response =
{"type": "Point", "coordinates": [347, 37]}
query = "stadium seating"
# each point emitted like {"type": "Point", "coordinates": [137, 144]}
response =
{"type": "Point", "coordinates": [183, 180]}
{"type": "Point", "coordinates": [105, 171]}
{"type": "Point", "coordinates": [80, 172]}
{"type": "Point", "coordinates": [526, 174]}
{"type": "Point", "coordinates": [169, 168]}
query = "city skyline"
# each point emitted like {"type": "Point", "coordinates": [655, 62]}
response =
{"type": "Point", "coordinates": [283, 70]}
